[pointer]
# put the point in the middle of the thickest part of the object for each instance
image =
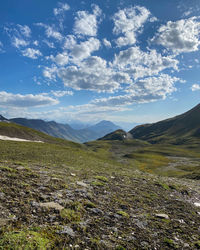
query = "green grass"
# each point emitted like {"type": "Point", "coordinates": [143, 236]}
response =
{"type": "Point", "coordinates": [24, 240]}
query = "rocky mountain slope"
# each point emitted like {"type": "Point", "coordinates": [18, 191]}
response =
{"type": "Point", "coordinates": [178, 130]}
{"type": "Point", "coordinates": [64, 131]}
{"type": "Point", "coordinates": [55, 196]}
{"type": "Point", "coordinates": [119, 135]}
{"type": "Point", "coordinates": [113, 193]}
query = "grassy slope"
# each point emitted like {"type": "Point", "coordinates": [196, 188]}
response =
{"type": "Point", "coordinates": [116, 209]}
{"type": "Point", "coordinates": [182, 129]}
{"type": "Point", "coordinates": [162, 159]}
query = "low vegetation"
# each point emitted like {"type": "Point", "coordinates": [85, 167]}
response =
{"type": "Point", "coordinates": [101, 195]}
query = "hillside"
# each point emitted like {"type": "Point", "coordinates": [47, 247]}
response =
{"type": "Point", "coordinates": [64, 131]}
{"type": "Point", "coordinates": [119, 134]}
{"type": "Point", "coordinates": [181, 129]}
{"type": "Point", "coordinates": [13, 130]}
{"type": "Point", "coordinates": [65, 196]}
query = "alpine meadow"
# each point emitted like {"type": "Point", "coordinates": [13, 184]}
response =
{"type": "Point", "coordinates": [100, 124]}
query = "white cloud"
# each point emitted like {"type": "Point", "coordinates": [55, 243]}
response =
{"type": "Point", "coordinates": [49, 44]}
{"type": "Point", "coordinates": [146, 90]}
{"type": "Point", "coordinates": [84, 49]}
{"type": "Point", "coordinates": [1, 47]}
{"type": "Point", "coordinates": [195, 87]}
{"type": "Point", "coordinates": [138, 63]}
{"type": "Point", "coordinates": [19, 42]}
{"type": "Point", "coordinates": [128, 22]}
{"type": "Point", "coordinates": [50, 72]}
{"type": "Point", "coordinates": [61, 9]}
{"type": "Point", "coordinates": [36, 43]}
{"type": "Point", "coordinates": [31, 53]}
{"type": "Point", "coordinates": [51, 32]}
{"type": "Point", "coordinates": [86, 23]}
{"type": "Point", "coordinates": [19, 35]}
{"type": "Point", "coordinates": [180, 36]}
{"type": "Point", "coordinates": [60, 93]}
{"type": "Point", "coordinates": [25, 30]}
{"type": "Point", "coordinates": [70, 41]}
{"type": "Point", "coordinates": [60, 59]}
{"type": "Point", "coordinates": [93, 74]}
{"type": "Point", "coordinates": [25, 101]}
{"type": "Point", "coordinates": [107, 43]}
{"type": "Point", "coordinates": [128, 39]}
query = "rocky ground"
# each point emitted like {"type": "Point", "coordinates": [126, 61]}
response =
{"type": "Point", "coordinates": [49, 207]}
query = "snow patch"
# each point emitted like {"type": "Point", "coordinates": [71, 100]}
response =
{"type": "Point", "coordinates": [6, 138]}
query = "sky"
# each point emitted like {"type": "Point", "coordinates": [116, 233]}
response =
{"type": "Point", "coordinates": [133, 61]}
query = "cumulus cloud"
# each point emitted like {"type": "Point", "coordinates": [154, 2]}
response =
{"type": "Point", "coordinates": [19, 35]}
{"type": "Point", "coordinates": [62, 7]}
{"type": "Point", "coordinates": [25, 101]}
{"type": "Point", "coordinates": [50, 72]}
{"type": "Point", "coordinates": [19, 42]}
{"type": "Point", "coordinates": [84, 49]}
{"type": "Point", "coordinates": [180, 36]}
{"type": "Point", "coordinates": [51, 32]}
{"type": "Point", "coordinates": [107, 43]}
{"type": "Point", "coordinates": [138, 63]}
{"type": "Point", "coordinates": [49, 44]}
{"type": "Point", "coordinates": [128, 22]}
{"type": "Point", "coordinates": [146, 90]}
{"type": "Point", "coordinates": [25, 30]}
{"type": "Point", "coordinates": [60, 59]}
{"type": "Point", "coordinates": [195, 87]}
{"type": "Point", "coordinates": [31, 53]}
{"type": "Point", "coordinates": [60, 93]}
{"type": "Point", "coordinates": [70, 41]}
{"type": "Point", "coordinates": [36, 43]}
{"type": "Point", "coordinates": [93, 74]}
{"type": "Point", "coordinates": [86, 23]}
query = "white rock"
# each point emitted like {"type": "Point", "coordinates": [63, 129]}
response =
{"type": "Point", "coordinates": [54, 205]}
{"type": "Point", "coordinates": [197, 204]}
{"type": "Point", "coordinates": [162, 216]}
{"type": "Point", "coordinates": [81, 183]}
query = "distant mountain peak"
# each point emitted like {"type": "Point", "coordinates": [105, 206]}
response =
{"type": "Point", "coordinates": [2, 118]}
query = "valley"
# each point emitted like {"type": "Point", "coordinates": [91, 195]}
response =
{"type": "Point", "coordinates": [113, 193]}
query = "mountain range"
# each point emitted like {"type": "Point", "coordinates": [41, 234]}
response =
{"type": "Point", "coordinates": [177, 130]}
{"type": "Point", "coordinates": [65, 131]}
{"type": "Point", "coordinates": [181, 129]}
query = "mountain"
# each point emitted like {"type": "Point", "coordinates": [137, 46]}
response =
{"type": "Point", "coordinates": [79, 125]}
{"type": "Point", "coordinates": [104, 127]}
{"type": "Point", "coordinates": [3, 119]}
{"type": "Point", "coordinates": [16, 131]}
{"type": "Point", "coordinates": [54, 194]}
{"type": "Point", "coordinates": [52, 128]}
{"type": "Point", "coordinates": [64, 131]}
{"type": "Point", "coordinates": [177, 130]}
{"type": "Point", "coordinates": [119, 135]}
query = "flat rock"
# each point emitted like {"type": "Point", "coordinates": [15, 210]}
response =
{"type": "Point", "coordinates": [162, 216]}
{"type": "Point", "coordinates": [53, 205]}
{"type": "Point", "coordinates": [82, 184]}
{"type": "Point", "coordinates": [197, 204]}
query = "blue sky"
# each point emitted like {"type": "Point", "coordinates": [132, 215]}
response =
{"type": "Point", "coordinates": [124, 61]}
